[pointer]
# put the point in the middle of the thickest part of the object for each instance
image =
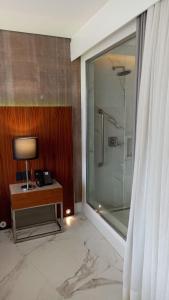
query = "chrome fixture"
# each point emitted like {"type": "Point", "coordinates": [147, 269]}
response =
{"type": "Point", "coordinates": [101, 112]}
{"type": "Point", "coordinates": [110, 118]}
{"type": "Point", "coordinates": [124, 71]}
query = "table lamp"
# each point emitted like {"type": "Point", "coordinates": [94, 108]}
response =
{"type": "Point", "coordinates": [25, 148]}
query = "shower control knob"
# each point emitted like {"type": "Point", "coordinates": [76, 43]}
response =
{"type": "Point", "coordinates": [113, 141]}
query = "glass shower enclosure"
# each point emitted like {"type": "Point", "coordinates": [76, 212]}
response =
{"type": "Point", "coordinates": [111, 118]}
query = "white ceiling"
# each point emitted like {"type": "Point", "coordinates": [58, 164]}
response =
{"type": "Point", "coordinates": [53, 17]}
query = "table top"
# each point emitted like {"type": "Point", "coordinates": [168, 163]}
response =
{"type": "Point", "coordinates": [16, 188]}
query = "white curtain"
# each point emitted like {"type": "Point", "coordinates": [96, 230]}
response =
{"type": "Point", "coordinates": [146, 264]}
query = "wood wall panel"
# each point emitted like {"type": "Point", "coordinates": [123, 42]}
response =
{"type": "Point", "coordinates": [36, 70]}
{"type": "Point", "coordinates": [53, 126]}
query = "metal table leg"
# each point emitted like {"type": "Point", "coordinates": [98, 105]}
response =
{"type": "Point", "coordinates": [56, 211]}
{"type": "Point", "coordinates": [59, 222]}
{"type": "Point", "coordinates": [13, 224]}
{"type": "Point", "coordinates": [61, 214]}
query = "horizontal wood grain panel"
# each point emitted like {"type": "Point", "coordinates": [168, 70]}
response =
{"type": "Point", "coordinates": [36, 198]}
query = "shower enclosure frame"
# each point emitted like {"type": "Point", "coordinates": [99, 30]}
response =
{"type": "Point", "coordinates": [116, 39]}
{"type": "Point", "coordinates": [103, 114]}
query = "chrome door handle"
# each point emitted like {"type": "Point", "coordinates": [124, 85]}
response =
{"type": "Point", "coordinates": [101, 163]}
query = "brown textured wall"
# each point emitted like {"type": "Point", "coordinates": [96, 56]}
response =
{"type": "Point", "coordinates": [36, 70]}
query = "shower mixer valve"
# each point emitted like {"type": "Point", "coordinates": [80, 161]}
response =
{"type": "Point", "coordinates": [113, 141]}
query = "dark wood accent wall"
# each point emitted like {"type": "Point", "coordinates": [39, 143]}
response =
{"type": "Point", "coordinates": [53, 126]}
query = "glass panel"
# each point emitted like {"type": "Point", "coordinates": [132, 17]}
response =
{"type": "Point", "coordinates": [111, 114]}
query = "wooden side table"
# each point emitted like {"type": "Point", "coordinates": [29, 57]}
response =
{"type": "Point", "coordinates": [37, 197]}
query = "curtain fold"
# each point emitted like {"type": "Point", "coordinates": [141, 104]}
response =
{"type": "Point", "coordinates": [146, 264]}
{"type": "Point", "coordinates": [140, 37]}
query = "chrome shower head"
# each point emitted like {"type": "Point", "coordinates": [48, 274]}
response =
{"type": "Point", "coordinates": [124, 71]}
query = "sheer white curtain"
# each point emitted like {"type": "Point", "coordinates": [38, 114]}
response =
{"type": "Point", "coordinates": [146, 265]}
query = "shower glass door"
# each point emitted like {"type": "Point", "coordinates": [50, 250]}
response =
{"type": "Point", "coordinates": [111, 117]}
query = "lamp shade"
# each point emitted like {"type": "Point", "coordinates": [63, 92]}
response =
{"type": "Point", "coordinates": [25, 148]}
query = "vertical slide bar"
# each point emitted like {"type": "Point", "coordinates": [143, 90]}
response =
{"type": "Point", "coordinates": [101, 163]}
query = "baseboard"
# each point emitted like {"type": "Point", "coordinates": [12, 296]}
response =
{"type": "Point", "coordinates": [107, 231]}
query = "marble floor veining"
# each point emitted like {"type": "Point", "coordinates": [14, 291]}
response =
{"type": "Point", "coordinates": [77, 264]}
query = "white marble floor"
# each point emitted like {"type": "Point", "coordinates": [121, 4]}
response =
{"type": "Point", "coordinates": [77, 264]}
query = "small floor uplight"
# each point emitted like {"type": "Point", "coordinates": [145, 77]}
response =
{"type": "Point", "coordinates": [98, 209]}
{"type": "Point", "coordinates": [68, 212]}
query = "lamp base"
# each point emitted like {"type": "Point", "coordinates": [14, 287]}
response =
{"type": "Point", "coordinates": [29, 187]}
